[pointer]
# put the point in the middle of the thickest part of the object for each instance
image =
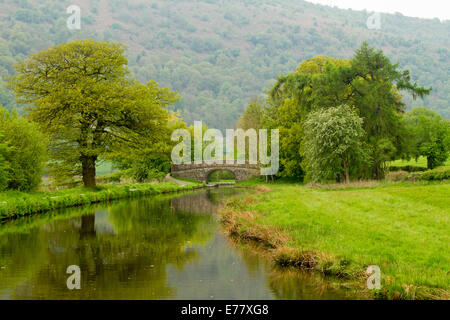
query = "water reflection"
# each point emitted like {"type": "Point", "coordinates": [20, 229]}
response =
{"type": "Point", "coordinates": [152, 248]}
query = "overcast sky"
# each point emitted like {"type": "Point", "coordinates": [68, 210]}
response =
{"type": "Point", "coordinates": [413, 8]}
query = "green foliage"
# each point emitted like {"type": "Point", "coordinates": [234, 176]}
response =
{"type": "Point", "coordinates": [368, 83]}
{"type": "Point", "coordinates": [23, 152]}
{"type": "Point", "coordinates": [149, 169]}
{"type": "Point", "coordinates": [419, 174]}
{"type": "Point", "coordinates": [89, 106]}
{"type": "Point", "coordinates": [253, 116]}
{"type": "Point", "coordinates": [430, 135]}
{"type": "Point", "coordinates": [441, 173]}
{"type": "Point", "coordinates": [152, 161]}
{"type": "Point", "coordinates": [333, 144]}
{"type": "Point", "coordinates": [4, 165]}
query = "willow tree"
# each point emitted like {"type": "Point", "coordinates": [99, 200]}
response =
{"type": "Point", "coordinates": [83, 97]}
{"type": "Point", "coordinates": [334, 144]}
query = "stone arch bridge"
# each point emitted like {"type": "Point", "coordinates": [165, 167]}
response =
{"type": "Point", "coordinates": [202, 171]}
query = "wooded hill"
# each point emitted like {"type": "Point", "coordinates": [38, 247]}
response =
{"type": "Point", "coordinates": [219, 54]}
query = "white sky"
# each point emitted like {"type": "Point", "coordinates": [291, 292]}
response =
{"type": "Point", "coordinates": [412, 8]}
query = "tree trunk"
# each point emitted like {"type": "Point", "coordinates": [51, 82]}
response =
{"type": "Point", "coordinates": [346, 171]}
{"type": "Point", "coordinates": [347, 176]}
{"type": "Point", "coordinates": [429, 163]}
{"type": "Point", "coordinates": [377, 171]}
{"type": "Point", "coordinates": [88, 171]}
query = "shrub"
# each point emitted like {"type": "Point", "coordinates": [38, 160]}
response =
{"type": "Point", "coordinates": [4, 167]}
{"type": "Point", "coordinates": [145, 173]}
{"type": "Point", "coordinates": [27, 151]}
{"type": "Point", "coordinates": [441, 173]}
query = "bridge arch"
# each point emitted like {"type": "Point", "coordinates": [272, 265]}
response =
{"type": "Point", "coordinates": [222, 174]}
{"type": "Point", "coordinates": [201, 171]}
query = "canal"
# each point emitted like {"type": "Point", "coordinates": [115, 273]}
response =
{"type": "Point", "coordinates": [163, 247]}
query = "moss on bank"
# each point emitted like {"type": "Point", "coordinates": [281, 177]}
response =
{"type": "Point", "coordinates": [15, 204]}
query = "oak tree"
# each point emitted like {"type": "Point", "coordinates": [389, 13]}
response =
{"type": "Point", "coordinates": [83, 97]}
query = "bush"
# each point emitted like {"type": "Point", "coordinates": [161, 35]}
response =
{"type": "Point", "coordinates": [4, 167]}
{"type": "Point", "coordinates": [145, 172]}
{"type": "Point", "coordinates": [27, 151]}
{"type": "Point", "coordinates": [441, 173]}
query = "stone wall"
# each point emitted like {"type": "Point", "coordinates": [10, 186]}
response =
{"type": "Point", "coordinates": [201, 172]}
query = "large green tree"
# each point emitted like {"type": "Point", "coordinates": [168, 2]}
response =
{"type": "Point", "coordinates": [430, 136]}
{"type": "Point", "coordinates": [84, 98]}
{"type": "Point", "coordinates": [368, 82]}
{"type": "Point", "coordinates": [334, 144]}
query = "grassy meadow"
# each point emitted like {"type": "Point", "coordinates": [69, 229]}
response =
{"type": "Point", "coordinates": [104, 167]}
{"type": "Point", "coordinates": [421, 162]}
{"type": "Point", "coordinates": [404, 228]}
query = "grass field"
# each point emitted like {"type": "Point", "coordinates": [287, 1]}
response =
{"type": "Point", "coordinates": [421, 162]}
{"type": "Point", "coordinates": [402, 228]}
{"type": "Point", "coordinates": [104, 167]}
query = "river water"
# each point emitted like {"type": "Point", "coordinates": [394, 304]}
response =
{"type": "Point", "coordinates": [162, 247]}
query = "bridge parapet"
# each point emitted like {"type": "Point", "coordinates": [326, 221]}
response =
{"type": "Point", "coordinates": [201, 171]}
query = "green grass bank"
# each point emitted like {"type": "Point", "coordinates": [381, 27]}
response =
{"type": "Point", "coordinates": [421, 162]}
{"type": "Point", "coordinates": [404, 228]}
{"type": "Point", "coordinates": [15, 204]}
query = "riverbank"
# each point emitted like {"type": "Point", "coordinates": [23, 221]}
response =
{"type": "Point", "coordinates": [400, 227]}
{"type": "Point", "coordinates": [15, 204]}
